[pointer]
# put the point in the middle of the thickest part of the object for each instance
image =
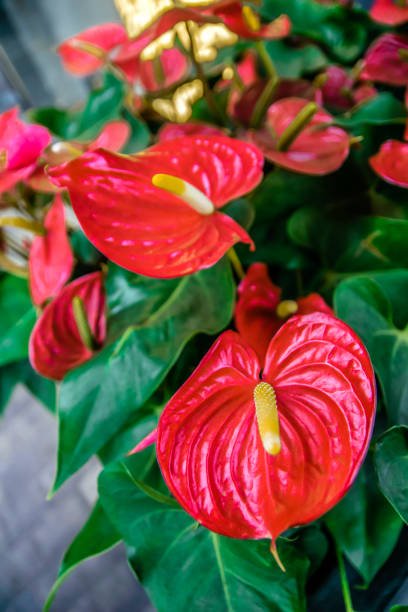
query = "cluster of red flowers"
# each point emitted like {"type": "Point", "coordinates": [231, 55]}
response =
{"type": "Point", "coordinates": [273, 425]}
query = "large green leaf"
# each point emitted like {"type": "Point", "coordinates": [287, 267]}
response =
{"type": "Point", "coordinates": [102, 105]}
{"type": "Point", "coordinates": [97, 399]}
{"type": "Point", "coordinates": [374, 305]}
{"type": "Point", "coordinates": [365, 525]}
{"type": "Point", "coordinates": [344, 32]}
{"type": "Point", "coordinates": [351, 244]}
{"type": "Point", "coordinates": [22, 372]}
{"type": "Point", "coordinates": [96, 536]}
{"type": "Point", "coordinates": [17, 319]}
{"type": "Point", "coordinates": [293, 62]}
{"type": "Point", "coordinates": [186, 567]}
{"type": "Point", "coordinates": [381, 110]}
{"type": "Point", "coordinates": [391, 460]}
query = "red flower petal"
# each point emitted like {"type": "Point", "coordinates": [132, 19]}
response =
{"type": "Point", "coordinates": [147, 229]}
{"type": "Point", "coordinates": [174, 66]}
{"type": "Point", "coordinates": [231, 14]}
{"type": "Point", "coordinates": [391, 162]}
{"type": "Point", "coordinates": [383, 62]}
{"type": "Point", "coordinates": [337, 90]}
{"type": "Point", "coordinates": [388, 11]}
{"type": "Point", "coordinates": [79, 62]}
{"type": "Point", "coordinates": [315, 151]}
{"type": "Point", "coordinates": [151, 438]}
{"type": "Point", "coordinates": [170, 131]}
{"type": "Point", "coordinates": [209, 447]}
{"type": "Point", "coordinates": [255, 312]}
{"type": "Point", "coordinates": [256, 317]}
{"type": "Point", "coordinates": [55, 345]}
{"type": "Point", "coordinates": [113, 136]}
{"type": "Point", "coordinates": [51, 260]}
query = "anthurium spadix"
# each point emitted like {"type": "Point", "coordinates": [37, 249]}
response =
{"type": "Point", "coordinates": [156, 213]}
{"type": "Point", "coordinates": [250, 455]}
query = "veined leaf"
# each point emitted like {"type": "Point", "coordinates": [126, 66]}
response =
{"type": "Point", "coordinates": [391, 461]}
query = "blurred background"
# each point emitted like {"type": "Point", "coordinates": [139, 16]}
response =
{"type": "Point", "coordinates": [34, 533]}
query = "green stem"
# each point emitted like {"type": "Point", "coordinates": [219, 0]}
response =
{"type": "Point", "coordinates": [263, 102]}
{"type": "Point", "coordinates": [295, 127]}
{"type": "Point", "coordinates": [348, 604]}
{"type": "Point", "coordinates": [33, 226]}
{"type": "Point", "coordinates": [82, 323]}
{"type": "Point", "coordinates": [266, 59]}
{"type": "Point", "coordinates": [236, 264]}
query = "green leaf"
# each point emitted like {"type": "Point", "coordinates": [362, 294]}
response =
{"type": "Point", "coordinates": [83, 249]}
{"type": "Point", "coordinates": [293, 62]}
{"type": "Point", "coordinates": [399, 608]}
{"type": "Point", "coordinates": [391, 461]}
{"type": "Point", "coordinates": [365, 525]}
{"type": "Point", "coordinates": [383, 109]}
{"type": "Point", "coordinates": [103, 104]}
{"type": "Point", "coordinates": [343, 32]}
{"type": "Point", "coordinates": [213, 572]}
{"type": "Point", "coordinates": [9, 377]}
{"type": "Point", "coordinates": [351, 244]}
{"type": "Point", "coordinates": [140, 134]}
{"type": "Point", "coordinates": [98, 398]}
{"type": "Point", "coordinates": [373, 305]}
{"type": "Point", "coordinates": [22, 372]}
{"type": "Point", "coordinates": [242, 211]}
{"type": "Point", "coordinates": [96, 536]}
{"type": "Point", "coordinates": [17, 319]}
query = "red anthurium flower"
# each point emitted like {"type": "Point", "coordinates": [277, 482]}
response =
{"type": "Point", "coordinates": [385, 60]}
{"type": "Point", "coordinates": [250, 457]}
{"type": "Point", "coordinates": [389, 12]}
{"type": "Point", "coordinates": [20, 147]}
{"type": "Point", "coordinates": [391, 162]}
{"type": "Point", "coordinates": [340, 92]}
{"type": "Point", "coordinates": [79, 53]}
{"type": "Point", "coordinates": [242, 20]}
{"type": "Point", "coordinates": [170, 131]}
{"type": "Point", "coordinates": [51, 260]}
{"type": "Point", "coordinates": [294, 137]}
{"type": "Point", "coordinates": [90, 50]}
{"type": "Point", "coordinates": [56, 343]}
{"type": "Point", "coordinates": [259, 312]}
{"type": "Point", "coordinates": [156, 213]}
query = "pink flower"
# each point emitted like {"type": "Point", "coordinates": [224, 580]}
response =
{"type": "Point", "coordinates": [20, 147]}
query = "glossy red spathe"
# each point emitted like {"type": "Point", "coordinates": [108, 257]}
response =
{"type": "Point", "coordinates": [20, 147]}
{"type": "Point", "coordinates": [391, 162]}
{"type": "Point", "coordinates": [209, 446]}
{"type": "Point", "coordinates": [233, 15]}
{"type": "Point", "coordinates": [147, 229]}
{"type": "Point", "coordinates": [383, 61]}
{"type": "Point", "coordinates": [109, 44]}
{"type": "Point", "coordinates": [389, 12]}
{"type": "Point", "coordinates": [317, 149]}
{"type": "Point", "coordinates": [50, 260]}
{"type": "Point", "coordinates": [257, 317]}
{"type": "Point", "coordinates": [55, 345]}
{"type": "Point", "coordinates": [170, 131]}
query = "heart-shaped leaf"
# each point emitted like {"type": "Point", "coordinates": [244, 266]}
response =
{"type": "Point", "coordinates": [17, 319]}
{"type": "Point", "coordinates": [391, 461]}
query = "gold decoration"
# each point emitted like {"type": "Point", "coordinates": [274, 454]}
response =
{"type": "Point", "coordinates": [207, 39]}
{"type": "Point", "coordinates": [179, 108]}
{"type": "Point", "coordinates": [138, 15]}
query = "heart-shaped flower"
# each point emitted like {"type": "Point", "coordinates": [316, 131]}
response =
{"type": "Point", "coordinates": [391, 162]}
{"type": "Point", "coordinates": [51, 260]}
{"type": "Point", "coordinates": [386, 60]}
{"type": "Point", "coordinates": [20, 147]}
{"type": "Point", "coordinates": [298, 135]}
{"type": "Point", "coordinates": [249, 457]}
{"type": "Point", "coordinates": [57, 341]}
{"type": "Point", "coordinates": [155, 213]}
{"type": "Point", "coordinates": [242, 20]}
{"type": "Point", "coordinates": [259, 312]}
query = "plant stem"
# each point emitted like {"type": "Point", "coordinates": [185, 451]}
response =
{"type": "Point", "coordinates": [348, 604]}
{"type": "Point", "coordinates": [236, 264]}
{"type": "Point", "coordinates": [82, 323]}
{"type": "Point", "coordinates": [263, 102]}
{"type": "Point", "coordinates": [266, 59]}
